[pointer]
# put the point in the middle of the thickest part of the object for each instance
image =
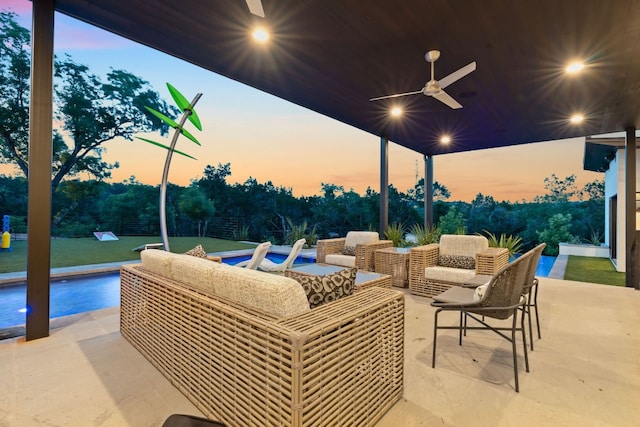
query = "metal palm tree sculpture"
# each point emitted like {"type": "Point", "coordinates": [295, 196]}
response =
{"type": "Point", "coordinates": [187, 113]}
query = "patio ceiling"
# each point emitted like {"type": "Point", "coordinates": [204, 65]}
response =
{"type": "Point", "coordinates": [331, 56]}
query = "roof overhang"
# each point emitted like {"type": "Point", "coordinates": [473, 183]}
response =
{"type": "Point", "coordinates": [332, 56]}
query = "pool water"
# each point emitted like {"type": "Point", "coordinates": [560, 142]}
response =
{"type": "Point", "coordinates": [86, 293]}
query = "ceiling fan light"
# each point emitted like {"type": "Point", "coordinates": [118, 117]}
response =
{"type": "Point", "coordinates": [445, 139]}
{"type": "Point", "coordinates": [396, 111]}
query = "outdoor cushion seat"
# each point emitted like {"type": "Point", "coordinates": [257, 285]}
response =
{"type": "Point", "coordinates": [357, 249]}
{"type": "Point", "coordinates": [436, 267]}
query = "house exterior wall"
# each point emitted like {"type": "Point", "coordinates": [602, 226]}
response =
{"type": "Point", "coordinates": [614, 184]}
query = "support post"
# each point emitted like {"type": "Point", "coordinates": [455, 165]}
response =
{"type": "Point", "coordinates": [40, 157]}
{"type": "Point", "coordinates": [428, 191]}
{"type": "Point", "coordinates": [384, 186]}
{"type": "Point", "coordinates": [632, 251]}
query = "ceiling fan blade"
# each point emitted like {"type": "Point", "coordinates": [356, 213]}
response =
{"type": "Point", "coordinates": [255, 7]}
{"type": "Point", "coordinates": [444, 97]}
{"type": "Point", "coordinates": [396, 95]}
{"type": "Point", "coordinates": [457, 75]}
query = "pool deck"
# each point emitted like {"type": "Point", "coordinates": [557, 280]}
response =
{"type": "Point", "coordinates": [583, 370]}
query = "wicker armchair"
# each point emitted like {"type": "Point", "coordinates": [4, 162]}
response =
{"type": "Point", "coordinates": [429, 275]}
{"type": "Point", "coordinates": [365, 244]}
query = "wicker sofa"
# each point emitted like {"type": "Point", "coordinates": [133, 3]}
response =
{"type": "Point", "coordinates": [247, 350]}
{"type": "Point", "coordinates": [362, 244]}
{"type": "Point", "coordinates": [436, 267]}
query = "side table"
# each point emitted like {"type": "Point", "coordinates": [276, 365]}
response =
{"type": "Point", "coordinates": [395, 262]}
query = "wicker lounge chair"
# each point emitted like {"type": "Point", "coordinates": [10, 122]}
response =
{"type": "Point", "coordinates": [436, 267]}
{"type": "Point", "coordinates": [258, 256]}
{"type": "Point", "coordinates": [357, 249]}
{"type": "Point", "coordinates": [270, 266]}
{"type": "Point", "coordinates": [502, 298]}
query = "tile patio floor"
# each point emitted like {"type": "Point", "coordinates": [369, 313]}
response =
{"type": "Point", "coordinates": [584, 372]}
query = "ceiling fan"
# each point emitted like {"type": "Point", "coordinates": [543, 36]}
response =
{"type": "Point", "coordinates": [435, 88]}
{"type": "Point", "coordinates": [255, 7]}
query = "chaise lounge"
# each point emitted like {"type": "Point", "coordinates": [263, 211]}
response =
{"type": "Point", "coordinates": [246, 348]}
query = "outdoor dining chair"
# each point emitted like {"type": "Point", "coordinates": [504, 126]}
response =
{"type": "Point", "coordinates": [501, 298]}
{"type": "Point", "coordinates": [531, 291]}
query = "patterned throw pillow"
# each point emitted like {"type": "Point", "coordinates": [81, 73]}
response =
{"type": "Point", "coordinates": [348, 250]}
{"type": "Point", "coordinates": [457, 261]}
{"type": "Point", "coordinates": [198, 251]}
{"type": "Point", "coordinates": [323, 289]}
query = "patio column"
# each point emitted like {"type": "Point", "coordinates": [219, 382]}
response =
{"type": "Point", "coordinates": [40, 153]}
{"type": "Point", "coordinates": [384, 185]}
{"type": "Point", "coordinates": [428, 191]}
{"type": "Point", "coordinates": [632, 251]}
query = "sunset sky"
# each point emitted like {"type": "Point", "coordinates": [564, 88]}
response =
{"type": "Point", "coordinates": [273, 140]}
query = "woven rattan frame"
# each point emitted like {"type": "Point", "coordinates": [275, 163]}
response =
{"type": "Point", "coordinates": [391, 261]}
{"type": "Point", "coordinates": [488, 262]}
{"type": "Point", "coordinates": [339, 364]}
{"type": "Point", "coordinates": [365, 252]}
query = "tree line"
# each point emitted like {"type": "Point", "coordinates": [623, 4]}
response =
{"type": "Point", "coordinates": [210, 206]}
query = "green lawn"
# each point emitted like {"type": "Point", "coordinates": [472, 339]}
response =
{"type": "Point", "coordinates": [88, 250]}
{"type": "Point", "coordinates": [594, 270]}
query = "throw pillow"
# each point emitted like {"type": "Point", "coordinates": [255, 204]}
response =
{"type": "Point", "coordinates": [198, 251]}
{"type": "Point", "coordinates": [348, 250]}
{"type": "Point", "coordinates": [323, 289]}
{"type": "Point", "coordinates": [478, 294]}
{"type": "Point", "coordinates": [457, 261]}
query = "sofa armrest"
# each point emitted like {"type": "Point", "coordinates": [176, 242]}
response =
{"type": "Point", "coordinates": [365, 253]}
{"type": "Point", "coordinates": [420, 258]}
{"type": "Point", "coordinates": [490, 260]}
{"type": "Point", "coordinates": [326, 247]}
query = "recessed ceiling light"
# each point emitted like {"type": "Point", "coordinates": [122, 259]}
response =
{"type": "Point", "coordinates": [445, 139]}
{"type": "Point", "coordinates": [577, 118]}
{"type": "Point", "coordinates": [396, 111]}
{"type": "Point", "coordinates": [574, 67]}
{"type": "Point", "coordinates": [260, 35]}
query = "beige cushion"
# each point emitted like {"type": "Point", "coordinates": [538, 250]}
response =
{"type": "Point", "coordinates": [271, 293]}
{"type": "Point", "coordinates": [339, 259]}
{"type": "Point", "coordinates": [157, 261]}
{"type": "Point", "coordinates": [195, 271]}
{"type": "Point", "coordinates": [358, 237]}
{"type": "Point", "coordinates": [462, 245]}
{"type": "Point", "coordinates": [448, 274]}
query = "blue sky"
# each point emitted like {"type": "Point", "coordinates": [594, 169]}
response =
{"type": "Point", "coordinates": [273, 140]}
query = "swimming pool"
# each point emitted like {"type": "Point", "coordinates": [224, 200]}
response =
{"type": "Point", "coordinates": [87, 293]}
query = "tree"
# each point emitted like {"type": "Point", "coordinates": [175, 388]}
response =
{"type": "Point", "coordinates": [593, 190]}
{"type": "Point", "coordinates": [558, 231]}
{"type": "Point", "coordinates": [193, 203]}
{"type": "Point", "coordinates": [559, 190]}
{"type": "Point", "coordinates": [90, 112]}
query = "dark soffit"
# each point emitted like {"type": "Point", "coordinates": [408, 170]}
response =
{"type": "Point", "coordinates": [331, 56]}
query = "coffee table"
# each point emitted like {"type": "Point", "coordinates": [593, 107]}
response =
{"type": "Point", "coordinates": [393, 261]}
{"type": "Point", "coordinates": [363, 279]}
